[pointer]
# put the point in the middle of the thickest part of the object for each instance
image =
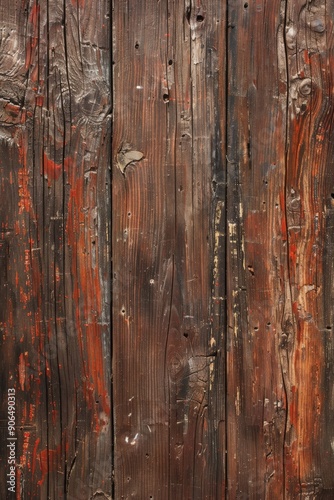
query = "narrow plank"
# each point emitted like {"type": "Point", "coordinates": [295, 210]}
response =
{"type": "Point", "coordinates": [309, 181]}
{"type": "Point", "coordinates": [55, 141]}
{"type": "Point", "coordinates": [256, 250]}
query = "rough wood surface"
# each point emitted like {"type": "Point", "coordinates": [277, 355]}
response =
{"type": "Point", "coordinates": [280, 178]}
{"type": "Point", "coordinates": [168, 364]}
{"type": "Point", "coordinates": [55, 273]}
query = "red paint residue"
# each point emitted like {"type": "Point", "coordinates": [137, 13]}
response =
{"type": "Point", "coordinates": [48, 461]}
{"type": "Point", "coordinates": [34, 456]}
{"type": "Point", "coordinates": [22, 370]}
{"type": "Point", "coordinates": [293, 253]}
{"type": "Point", "coordinates": [34, 14]}
{"type": "Point", "coordinates": [283, 209]}
{"type": "Point", "coordinates": [18, 482]}
{"type": "Point", "coordinates": [293, 406]}
{"type": "Point", "coordinates": [80, 3]}
{"type": "Point", "coordinates": [39, 100]}
{"type": "Point", "coordinates": [89, 303]}
{"type": "Point", "coordinates": [32, 43]}
{"type": "Point", "coordinates": [51, 169]}
{"type": "Point", "coordinates": [32, 412]}
{"type": "Point", "coordinates": [25, 204]}
{"type": "Point", "coordinates": [307, 56]}
{"type": "Point", "coordinates": [24, 460]}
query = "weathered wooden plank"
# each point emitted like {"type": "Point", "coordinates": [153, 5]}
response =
{"type": "Point", "coordinates": [256, 251]}
{"type": "Point", "coordinates": [279, 210]}
{"type": "Point", "coordinates": [309, 181]}
{"type": "Point", "coordinates": [168, 367]}
{"type": "Point", "coordinates": [54, 143]}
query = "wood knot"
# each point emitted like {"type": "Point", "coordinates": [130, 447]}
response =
{"type": "Point", "coordinates": [305, 87]}
{"type": "Point", "coordinates": [127, 155]}
{"type": "Point", "coordinates": [294, 205]}
{"type": "Point", "coordinates": [290, 37]}
{"type": "Point", "coordinates": [317, 25]}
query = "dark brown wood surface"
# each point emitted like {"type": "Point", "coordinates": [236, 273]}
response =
{"type": "Point", "coordinates": [172, 163]}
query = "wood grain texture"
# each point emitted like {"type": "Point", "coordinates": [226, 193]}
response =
{"type": "Point", "coordinates": [168, 364]}
{"type": "Point", "coordinates": [175, 156]}
{"type": "Point", "coordinates": [280, 177]}
{"type": "Point", "coordinates": [55, 282]}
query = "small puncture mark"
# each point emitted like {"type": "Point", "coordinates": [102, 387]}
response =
{"type": "Point", "coordinates": [251, 270]}
{"type": "Point", "coordinates": [165, 97]}
{"type": "Point", "coordinates": [199, 18]}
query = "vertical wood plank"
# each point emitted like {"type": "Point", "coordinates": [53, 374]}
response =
{"type": "Point", "coordinates": [309, 181]}
{"type": "Point", "coordinates": [256, 259]}
{"type": "Point", "coordinates": [168, 362]}
{"type": "Point", "coordinates": [55, 141]}
{"type": "Point", "coordinates": [280, 180]}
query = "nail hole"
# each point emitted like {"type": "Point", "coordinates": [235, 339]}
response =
{"type": "Point", "coordinates": [170, 62]}
{"type": "Point", "coordinates": [136, 45]}
{"type": "Point", "coordinates": [328, 327]}
{"type": "Point", "coordinates": [332, 195]}
{"type": "Point", "coordinates": [129, 214]}
{"type": "Point", "coordinates": [165, 97]}
{"type": "Point", "coordinates": [251, 270]}
{"type": "Point", "coordinates": [186, 335]}
{"type": "Point", "coordinates": [245, 5]}
{"type": "Point", "coordinates": [256, 328]}
{"type": "Point", "coordinates": [199, 18]}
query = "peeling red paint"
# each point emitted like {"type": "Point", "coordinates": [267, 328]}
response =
{"type": "Point", "coordinates": [51, 169]}
{"type": "Point", "coordinates": [22, 370]}
{"type": "Point", "coordinates": [34, 455]}
{"type": "Point", "coordinates": [48, 461]}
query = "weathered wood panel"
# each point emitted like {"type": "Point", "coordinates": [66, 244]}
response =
{"type": "Point", "coordinates": [55, 273]}
{"type": "Point", "coordinates": [168, 187]}
{"type": "Point", "coordinates": [222, 249]}
{"type": "Point", "coordinates": [280, 178]}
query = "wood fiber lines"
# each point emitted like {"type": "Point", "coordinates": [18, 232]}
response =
{"type": "Point", "coordinates": [222, 249]}
{"type": "Point", "coordinates": [168, 216]}
{"type": "Point", "coordinates": [55, 272]}
{"type": "Point", "coordinates": [174, 158]}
